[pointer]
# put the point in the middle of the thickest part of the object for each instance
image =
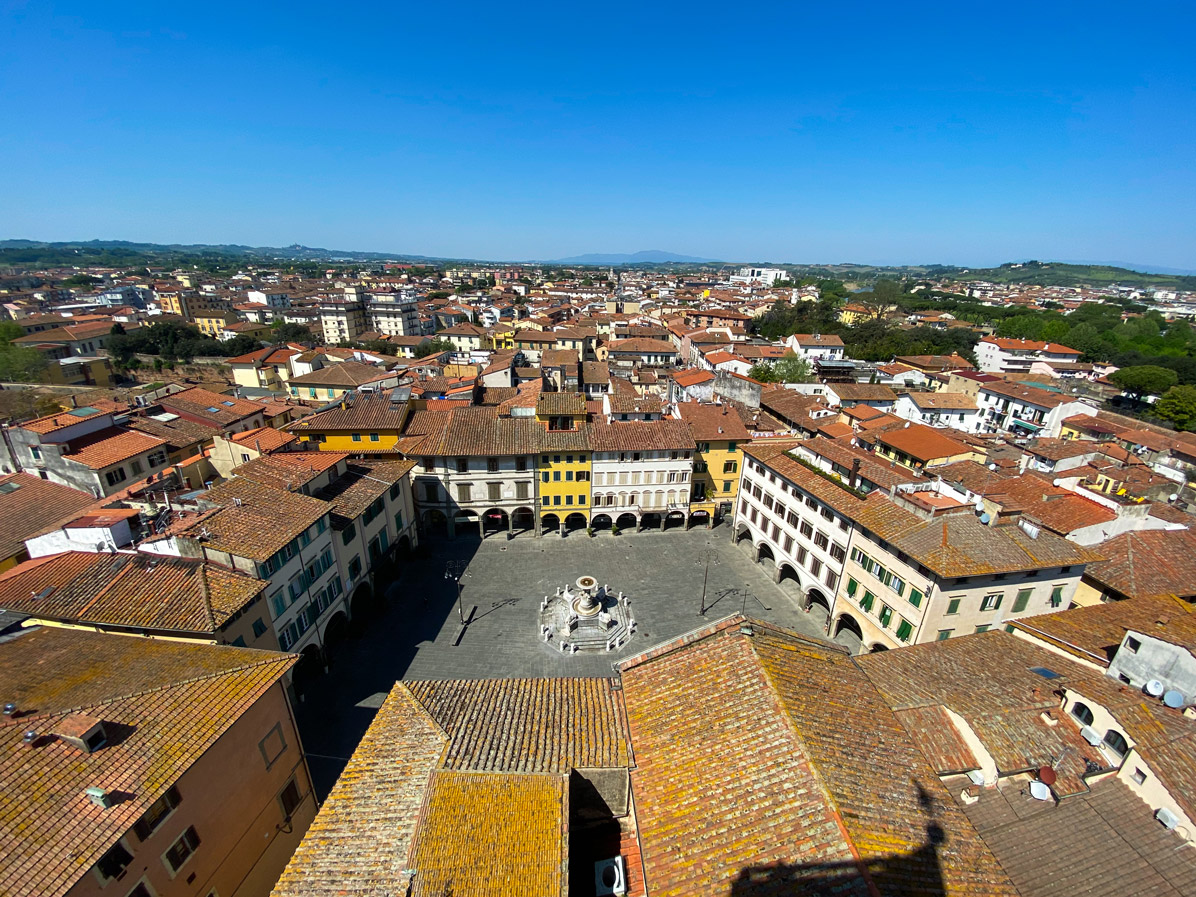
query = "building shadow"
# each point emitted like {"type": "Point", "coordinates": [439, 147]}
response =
{"type": "Point", "coordinates": [914, 874]}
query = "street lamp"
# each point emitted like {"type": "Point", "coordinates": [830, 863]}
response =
{"type": "Point", "coordinates": [453, 570]}
{"type": "Point", "coordinates": [706, 557]}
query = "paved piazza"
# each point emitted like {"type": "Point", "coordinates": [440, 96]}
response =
{"type": "Point", "coordinates": [413, 636]}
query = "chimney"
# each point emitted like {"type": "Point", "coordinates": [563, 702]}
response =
{"type": "Point", "coordinates": [855, 473]}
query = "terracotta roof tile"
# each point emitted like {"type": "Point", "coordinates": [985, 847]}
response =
{"type": "Point", "coordinates": [173, 701]}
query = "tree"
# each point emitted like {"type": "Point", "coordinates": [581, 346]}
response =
{"type": "Point", "coordinates": [792, 368]}
{"type": "Point", "coordinates": [1144, 380]}
{"type": "Point", "coordinates": [434, 347]}
{"type": "Point", "coordinates": [1178, 406]}
{"type": "Point", "coordinates": [118, 329]}
{"type": "Point", "coordinates": [81, 280]}
{"type": "Point", "coordinates": [291, 333]}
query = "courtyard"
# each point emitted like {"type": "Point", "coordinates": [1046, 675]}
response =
{"type": "Point", "coordinates": [416, 632]}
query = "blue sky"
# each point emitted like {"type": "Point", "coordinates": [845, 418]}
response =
{"type": "Point", "coordinates": [880, 133]}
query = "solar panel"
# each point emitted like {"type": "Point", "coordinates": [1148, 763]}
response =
{"type": "Point", "coordinates": [1044, 672]}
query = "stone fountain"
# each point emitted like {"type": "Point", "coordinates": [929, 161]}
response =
{"type": "Point", "coordinates": [586, 617]}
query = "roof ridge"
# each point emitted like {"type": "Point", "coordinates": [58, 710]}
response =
{"type": "Point", "coordinates": [205, 596]}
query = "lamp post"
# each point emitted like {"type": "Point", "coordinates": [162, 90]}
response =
{"type": "Point", "coordinates": [706, 557]}
{"type": "Point", "coordinates": [453, 570]}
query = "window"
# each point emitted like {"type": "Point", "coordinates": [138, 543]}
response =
{"type": "Point", "coordinates": [792, 519]}
{"type": "Point", "coordinates": [801, 555]}
{"type": "Point", "coordinates": [464, 491]}
{"type": "Point", "coordinates": [983, 627]}
{"type": "Point", "coordinates": [556, 476]}
{"type": "Point", "coordinates": [1116, 743]}
{"type": "Point", "coordinates": [991, 602]}
{"type": "Point", "coordinates": [568, 476]}
{"type": "Point", "coordinates": [373, 437]}
{"type": "Point", "coordinates": [1056, 596]}
{"type": "Point", "coordinates": [788, 544]}
{"type": "Point", "coordinates": [838, 553]}
{"type": "Point", "coordinates": [396, 490]}
{"type": "Point", "coordinates": [730, 466]}
{"type": "Point", "coordinates": [867, 601]}
{"type": "Point", "coordinates": [521, 463]}
{"type": "Point", "coordinates": [726, 485]}
{"type": "Point", "coordinates": [290, 799]}
{"type": "Point", "coordinates": [114, 863]}
{"type": "Point", "coordinates": [357, 437]}
{"type": "Point", "coordinates": [1132, 644]}
{"type": "Point", "coordinates": [821, 540]}
{"type": "Point", "coordinates": [1022, 599]}
{"type": "Point", "coordinates": [462, 465]}
{"type": "Point", "coordinates": [556, 499]}
{"type": "Point", "coordinates": [904, 630]}
{"type": "Point", "coordinates": [915, 597]}
{"type": "Point", "coordinates": [886, 615]}
{"type": "Point", "coordinates": [767, 502]}
{"type": "Point", "coordinates": [259, 628]}
{"type": "Point", "coordinates": [953, 606]}
{"type": "Point", "coordinates": [776, 532]}
{"type": "Point", "coordinates": [429, 463]}
{"type": "Point", "coordinates": [815, 566]}
{"type": "Point", "coordinates": [135, 466]}
{"type": "Point", "coordinates": [806, 529]}
{"type": "Point", "coordinates": [156, 814]}
{"type": "Point", "coordinates": [945, 634]}
{"type": "Point", "coordinates": [521, 490]}
{"type": "Point", "coordinates": [492, 465]}
{"type": "Point", "coordinates": [1082, 712]}
{"type": "Point", "coordinates": [115, 476]}
{"type": "Point", "coordinates": [544, 477]}
{"type": "Point", "coordinates": [852, 587]}
{"type": "Point", "coordinates": [494, 491]}
{"type": "Point", "coordinates": [348, 533]}
{"type": "Point", "coordinates": [355, 567]}
{"type": "Point", "coordinates": [182, 849]}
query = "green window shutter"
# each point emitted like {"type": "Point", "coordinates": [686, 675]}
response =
{"type": "Point", "coordinates": [852, 585]}
{"type": "Point", "coordinates": [866, 601]}
{"type": "Point", "coordinates": [915, 597]}
{"type": "Point", "coordinates": [886, 614]}
{"type": "Point", "coordinates": [904, 630]}
{"type": "Point", "coordinates": [945, 634]}
{"type": "Point", "coordinates": [1023, 598]}
{"type": "Point", "coordinates": [953, 606]}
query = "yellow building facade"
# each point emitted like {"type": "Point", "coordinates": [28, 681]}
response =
{"type": "Point", "coordinates": [360, 425]}
{"type": "Point", "coordinates": [565, 481]}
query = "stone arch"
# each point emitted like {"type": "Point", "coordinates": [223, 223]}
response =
{"type": "Point", "coordinates": [436, 523]}
{"type": "Point", "coordinates": [815, 596]}
{"type": "Point", "coordinates": [575, 520]}
{"type": "Point", "coordinates": [601, 521]}
{"type": "Point", "coordinates": [851, 624]}
{"type": "Point", "coordinates": [742, 532]}
{"type": "Point", "coordinates": [336, 630]}
{"type": "Point", "coordinates": [550, 522]}
{"type": "Point", "coordinates": [523, 519]}
{"type": "Point", "coordinates": [495, 520]}
{"type": "Point", "coordinates": [626, 521]}
{"type": "Point", "coordinates": [764, 553]}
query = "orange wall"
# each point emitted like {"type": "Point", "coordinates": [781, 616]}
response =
{"type": "Point", "coordinates": [232, 800]}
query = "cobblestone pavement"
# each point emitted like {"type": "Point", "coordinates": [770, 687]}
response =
{"type": "Point", "coordinates": [415, 635]}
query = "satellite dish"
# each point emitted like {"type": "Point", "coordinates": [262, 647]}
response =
{"type": "Point", "coordinates": [1173, 699]}
{"type": "Point", "coordinates": [1047, 776]}
{"type": "Point", "coordinates": [1172, 497]}
{"type": "Point", "coordinates": [1154, 688]}
{"type": "Point", "coordinates": [992, 466]}
{"type": "Point", "coordinates": [979, 505]}
{"type": "Point", "coordinates": [1039, 791]}
{"type": "Point", "coordinates": [984, 518]}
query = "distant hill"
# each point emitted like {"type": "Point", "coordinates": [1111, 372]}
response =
{"type": "Point", "coordinates": [1062, 274]}
{"type": "Point", "coordinates": [647, 257]}
{"type": "Point", "coordinates": [123, 252]}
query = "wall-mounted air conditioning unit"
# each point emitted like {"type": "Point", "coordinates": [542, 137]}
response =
{"type": "Point", "coordinates": [1165, 816]}
{"type": "Point", "coordinates": [609, 878]}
